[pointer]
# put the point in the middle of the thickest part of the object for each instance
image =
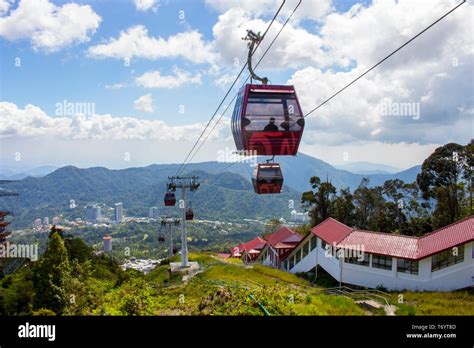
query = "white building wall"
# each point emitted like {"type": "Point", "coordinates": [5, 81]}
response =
{"type": "Point", "coordinates": [450, 278]}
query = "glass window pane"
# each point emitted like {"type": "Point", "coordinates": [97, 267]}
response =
{"type": "Point", "coordinates": [305, 249]}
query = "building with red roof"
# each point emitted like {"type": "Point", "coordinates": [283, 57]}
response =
{"type": "Point", "coordinates": [248, 251]}
{"type": "Point", "coordinates": [279, 244]}
{"type": "Point", "coordinates": [442, 260]}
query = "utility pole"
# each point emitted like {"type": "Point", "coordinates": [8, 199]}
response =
{"type": "Point", "coordinates": [184, 183]}
{"type": "Point", "coordinates": [170, 221]}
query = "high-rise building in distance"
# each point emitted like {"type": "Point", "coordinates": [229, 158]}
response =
{"type": "Point", "coordinates": [153, 213]}
{"type": "Point", "coordinates": [93, 213]}
{"type": "Point", "coordinates": [118, 213]}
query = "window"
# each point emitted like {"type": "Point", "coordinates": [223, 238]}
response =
{"type": "Point", "coordinates": [285, 265]}
{"type": "Point", "coordinates": [407, 266]}
{"type": "Point", "coordinates": [272, 112]}
{"type": "Point", "coordinates": [298, 256]}
{"type": "Point", "coordinates": [236, 130]}
{"type": "Point", "coordinates": [313, 242]}
{"type": "Point", "coordinates": [447, 258]}
{"type": "Point", "coordinates": [355, 260]}
{"type": "Point", "coordinates": [382, 261]}
{"type": "Point", "coordinates": [292, 262]}
{"type": "Point", "coordinates": [323, 244]}
{"type": "Point", "coordinates": [305, 249]}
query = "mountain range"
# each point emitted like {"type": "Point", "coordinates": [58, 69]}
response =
{"type": "Point", "coordinates": [368, 168]}
{"type": "Point", "coordinates": [225, 193]}
{"type": "Point", "coordinates": [14, 174]}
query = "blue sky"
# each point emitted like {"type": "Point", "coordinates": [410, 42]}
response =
{"type": "Point", "coordinates": [45, 79]}
{"type": "Point", "coordinates": [325, 45]}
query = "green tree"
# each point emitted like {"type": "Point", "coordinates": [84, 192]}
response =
{"type": "Point", "coordinates": [319, 200]}
{"type": "Point", "coordinates": [136, 298]}
{"type": "Point", "coordinates": [393, 189]}
{"type": "Point", "coordinates": [440, 179]}
{"type": "Point", "coordinates": [50, 276]}
{"type": "Point", "coordinates": [344, 208]}
{"type": "Point", "coordinates": [468, 177]}
{"type": "Point", "coordinates": [77, 249]}
{"type": "Point", "coordinates": [272, 226]}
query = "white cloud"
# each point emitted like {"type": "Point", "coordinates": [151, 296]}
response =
{"type": "Point", "coordinates": [434, 71]}
{"type": "Point", "coordinates": [154, 79]}
{"type": "Point", "coordinates": [144, 103]}
{"type": "Point", "coordinates": [225, 80]}
{"type": "Point", "coordinates": [401, 155]}
{"type": "Point", "coordinates": [34, 122]}
{"type": "Point", "coordinates": [145, 5]}
{"type": "Point", "coordinates": [4, 6]}
{"type": "Point", "coordinates": [49, 27]}
{"type": "Point", "coordinates": [294, 48]}
{"type": "Point", "coordinates": [314, 10]}
{"type": "Point", "coordinates": [136, 43]}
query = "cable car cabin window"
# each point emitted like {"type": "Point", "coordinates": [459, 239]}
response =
{"type": "Point", "coordinates": [269, 175]}
{"type": "Point", "coordinates": [272, 113]}
{"type": "Point", "coordinates": [236, 121]}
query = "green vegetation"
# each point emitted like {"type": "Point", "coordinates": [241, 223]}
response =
{"type": "Point", "coordinates": [70, 279]}
{"type": "Point", "coordinates": [50, 276]}
{"type": "Point", "coordinates": [96, 285]}
{"type": "Point", "coordinates": [436, 303]}
{"type": "Point", "coordinates": [223, 196]}
{"type": "Point", "coordinates": [441, 195]}
{"type": "Point", "coordinates": [129, 238]}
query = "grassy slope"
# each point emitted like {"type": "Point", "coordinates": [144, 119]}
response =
{"type": "Point", "coordinates": [224, 288]}
{"type": "Point", "coordinates": [436, 303]}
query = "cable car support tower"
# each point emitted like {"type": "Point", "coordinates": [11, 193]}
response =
{"type": "Point", "coordinates": [169, 221]}
{"type": "Point", "coordinates": [184, 183]}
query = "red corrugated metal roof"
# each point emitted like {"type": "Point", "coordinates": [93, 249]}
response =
{"type": "Point", "coordinates": [256, 243]}
{"type": "Point", "coordinates": [408, 247]}
{"type": "Point", "coordinates": [447, 237]}
{"type": "Point", "coordinates": [331, 230]}
{"type": "Point", "coordinates": [381, 243]}
{"type": "Point", "coordinates": [283, 235]}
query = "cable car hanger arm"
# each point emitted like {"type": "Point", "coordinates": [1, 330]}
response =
{"type": "Point", "coordinates": [254, 39]}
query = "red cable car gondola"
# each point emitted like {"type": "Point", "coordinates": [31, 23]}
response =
{"type": "Point", "coordinates": [267, 120]}
{"type": "Point", "coordinates": [189, 214]}
{"type": "Point", "coordinates": [267, 178]}
{"type": "Point", "coordinates": [170, 199]}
